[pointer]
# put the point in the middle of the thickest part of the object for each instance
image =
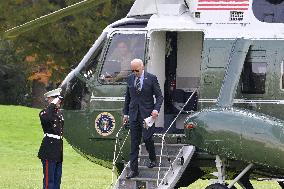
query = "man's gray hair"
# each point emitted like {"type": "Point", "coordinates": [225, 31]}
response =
{"type": "Point", "coordinates": [137, 60]}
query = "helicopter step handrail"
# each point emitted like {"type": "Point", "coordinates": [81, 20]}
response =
{"type": "Point", "coordinates": [115, 158]}
{"type": "Point", "coordinates": [177, 167]}
{"type": "Point", "coordinates": [164, 135]}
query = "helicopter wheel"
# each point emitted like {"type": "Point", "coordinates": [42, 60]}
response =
{"type": "Point", "coordinates": [281, 184]}
{"type": "Point", "coordinates": [219, 186]}
{"type": "Point", "coordinates": [216, 186]}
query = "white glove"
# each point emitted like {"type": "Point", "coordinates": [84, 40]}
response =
{"type": "Point", "coordinates": [55, 101]}
{"type": "Point", "coordinates": [155, 114]}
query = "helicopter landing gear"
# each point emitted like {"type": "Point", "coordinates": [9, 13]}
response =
{"type": "Point", "coordinates": [220, 174]}
{"type": "Point", "coordinates": [242, 178]}
{"type": "Point", "coordinates": [244, 181]}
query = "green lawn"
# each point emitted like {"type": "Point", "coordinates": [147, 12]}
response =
{"type": "Point", "coordinates": [20, 137]}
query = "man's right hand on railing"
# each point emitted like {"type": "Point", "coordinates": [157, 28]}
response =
{"type": "Point", "coordinates": [125, 121]}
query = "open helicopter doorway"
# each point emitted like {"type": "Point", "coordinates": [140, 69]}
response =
{"type": "Point", "coordinates": [175, 58]}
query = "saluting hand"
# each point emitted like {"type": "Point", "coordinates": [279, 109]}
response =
{"type": "Point", "coordinates": [56, 101]}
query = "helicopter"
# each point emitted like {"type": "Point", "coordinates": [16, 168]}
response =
{"type": "Point", "coordinates": [220, 65]}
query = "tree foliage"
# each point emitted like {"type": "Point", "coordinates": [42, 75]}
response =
{"type": "Point", "coordinates": [13, 85]}
{"type": "Point", "coordinates": [63, 42]}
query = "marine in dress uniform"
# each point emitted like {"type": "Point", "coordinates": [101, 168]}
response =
{"type": "Point", "coordinates": [51, 149]}
{"type": "Point", "coordinates": [140, 104]}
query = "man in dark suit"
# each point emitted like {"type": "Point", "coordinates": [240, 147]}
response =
{"type": "Point", "coordinates": [51, 149]}
{"type": "Point", "coordinates": [139, 104]}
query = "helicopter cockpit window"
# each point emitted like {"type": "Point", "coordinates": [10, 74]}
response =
{"type": "Point", "coordinates": [87, 72]}
{"type": "Point", "coordinates": [77, 93]}
{"type": "Point", "coordinates": [253, 77]}
{"type": "Point", "coordinates": [123, 48]}
{"type": "Point", "coordinates": [270, 11]}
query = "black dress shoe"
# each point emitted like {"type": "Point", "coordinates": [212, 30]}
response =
{"type": "Point", "coordinates": [132, 174]}
{"type": "Point", "coordinates": [152, 164]}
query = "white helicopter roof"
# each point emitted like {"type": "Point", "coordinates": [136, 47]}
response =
{"type": "Point", "coordinates": [148, 7]}
{"type": "Point", "coordinates": [217, 18]}
{"type": "Point", "coordinates": [166, 14]}
{"type": "Point", "coordinates": [203, 11]}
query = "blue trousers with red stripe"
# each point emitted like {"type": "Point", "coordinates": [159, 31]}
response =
{"type": "Point", "coordinates": [52, 172]}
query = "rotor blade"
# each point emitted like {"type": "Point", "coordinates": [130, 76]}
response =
{"type": "Point", "coordinates": [13, 32]}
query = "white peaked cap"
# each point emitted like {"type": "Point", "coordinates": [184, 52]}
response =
{"type": "Point", "coordinates": [55, 92]}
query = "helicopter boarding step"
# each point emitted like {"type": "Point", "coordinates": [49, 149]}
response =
{"type": "Point", "coordinates": [174, 160]}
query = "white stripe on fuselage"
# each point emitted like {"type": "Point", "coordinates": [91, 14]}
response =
{"type": "Point", "coordinates": [236, 101]}
{"type": "Point", "coordinates": [244, 101]}
{"type": "Point", "coordinates": [108, 99]}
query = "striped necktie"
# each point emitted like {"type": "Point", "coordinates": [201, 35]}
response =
{"type": "Point", "coordinates": [138, 85]}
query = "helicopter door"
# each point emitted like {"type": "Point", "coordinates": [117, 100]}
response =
{"type": "Point", "coordinates": [175, 58]}
{"type": "Point", "coordinates": [109, 90]}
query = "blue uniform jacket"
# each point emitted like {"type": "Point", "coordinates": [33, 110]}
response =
{"type": "Point", "coordinates": [52, 123]}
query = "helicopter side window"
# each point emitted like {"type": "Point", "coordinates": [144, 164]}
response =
{"type": "Point", "coordinates": [253, 77]}
{"type": "Point", "coordinates": [282, 75]}
{"type": "Point", "coordinates": [270, 11]}
{"type": "Point", "coordinates": [123, 48]}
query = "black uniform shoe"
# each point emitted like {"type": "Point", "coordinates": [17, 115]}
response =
{"type": "Point", "coordinates": [152, 164]}
{"type": "Point", "coordinates": [132, 174]}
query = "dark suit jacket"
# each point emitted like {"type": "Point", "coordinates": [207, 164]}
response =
{"type": "Point", "coordinates": [143, 101]}
{"type": "Point", "coordinates": [52, 123]}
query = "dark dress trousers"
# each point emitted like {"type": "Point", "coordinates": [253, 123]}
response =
{"type": "Point", "coordinates": [139, 105]}
{"type": "Point", "coordinates": [51, 149]}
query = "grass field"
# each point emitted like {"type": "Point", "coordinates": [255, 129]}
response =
{"type": "Point", "coordinates": [20, 137]}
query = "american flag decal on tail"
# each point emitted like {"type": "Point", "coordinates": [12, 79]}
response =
{"type": "Point", "coordinates": [236, 5]}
